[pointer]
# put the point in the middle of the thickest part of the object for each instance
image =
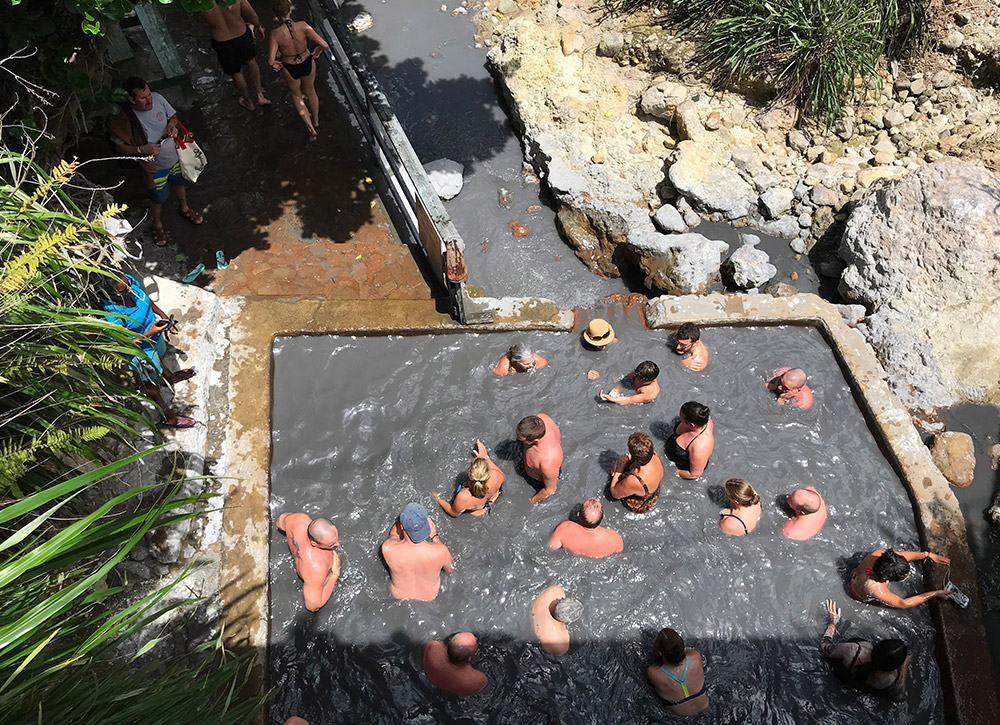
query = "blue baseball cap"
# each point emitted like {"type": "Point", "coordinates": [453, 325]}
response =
{"type": "Point", "coordinates": [415, 522]}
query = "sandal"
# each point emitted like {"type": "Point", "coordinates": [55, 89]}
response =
{"type": "Point", "coordinates": [220, 260]}
{"type": "Point", "coordinates": [159, 237]}
{"type": "Point", "coordinates": [193, 274]}
{"type": "Point", "coordinates": [192, 216]}
{"type": "Point", "coordinates": [182, 375]}
{"type": "Point", "coordinates": [181, 421]}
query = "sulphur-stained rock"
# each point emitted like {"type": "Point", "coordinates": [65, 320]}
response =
{"type": "Point", "coordinates": [518, 229]}
{"type": "Point", "coordinates": [994, 453]}
{"type": "Point", "coordinates": [780, 289]}
{"type": "Point", "coordinates": [505, 198]}
{"type": "Point", "coordinates": [698, 174]}
{"type": "Point", "coordinates": [661, 100]}
{"type": "Point", "coordinates": [678, 264]}
{"type": "Point", "coordinates": [593, 237]}
{"type": "Point", "coordinates": [955, 454]}
{"type": "Point", "coordinates": [922, 256]}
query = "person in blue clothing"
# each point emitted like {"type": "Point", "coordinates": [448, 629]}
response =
{"type": "Point", "coordinates": [678, 675]}
{"type": "Point", "coordinates": [129, 306]}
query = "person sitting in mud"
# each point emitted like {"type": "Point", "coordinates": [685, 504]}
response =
{"type": "Point", "coordinates": [416, 556]}
{"type": "Point", "coordinates": [599, 334]}
{"type": "Point", "coordinates": [687, 342]}
{"type": "Point", "coordinates": [543, 454]}
{"type": "Point", "coordinates": [482, 489]}
{"type": "Point", "coordinates": [519, 359]}
{"type": "Point", "coordinates": [550, 614]}
{"type": "Point", "coordinates": [313, 544]}
{"type": "Point", "coordinates": [584, 535]}
{"type": "Point", "coordinates": [810, 514]}
{"type": "Point", "coordinates": [744, 508]}
{"type": "Point", "coordinates": [448, 665]}
{"type": "Point", "coordinates": [643, 380]}
{"type": "Point", "coordinates": [636, 475]}
{"type": "Point", "coordinates": [691, 444]}
{"type": "Point", "coordinates": [128, 306]}
{"type": "Point", "coordinates": [880, 668]}
{"type": "Point", "coordinates": [678, 675]}
{"type": "Point", "coordinates": [870, 579]}
{"type": "Point", "coordinates": [790, 385]}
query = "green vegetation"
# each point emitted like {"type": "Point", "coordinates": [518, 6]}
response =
{"type": "Point", "coordinates": [807, 50]}
{"type": "Point", "coordinates": [62, 628]}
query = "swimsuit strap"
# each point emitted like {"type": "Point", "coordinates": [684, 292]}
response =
{"type": "Point", "coordinates": [679, 680]}
{"type": "Point", "coordinates": [639, 479]}
{"type": "Point", "coordinates": [696, 437]}
{"type": "Point", "coordinates": [734, 516]}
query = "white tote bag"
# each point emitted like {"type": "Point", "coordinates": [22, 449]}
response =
{"type": "Point", "coordinates": [192, 158]}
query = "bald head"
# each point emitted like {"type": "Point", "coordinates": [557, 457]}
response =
{"type": "Point", "coordinates": [323, 533]}
{"type": "Point", "coordinates": [593, 511]}
{"type": "Point", "coordinates": [805, 501]}
{"type": "Point", "coordinates": [461, 647]}
{"type": "Point", "coordinates": [794, 378]}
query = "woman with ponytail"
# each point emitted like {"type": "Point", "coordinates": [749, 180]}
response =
{"type": "Point", "coordinates": [478, 493]}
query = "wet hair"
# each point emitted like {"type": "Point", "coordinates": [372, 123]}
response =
{"type": "Point", "coordinates": [132, 84]}
{"type": "Point", "coordinates": [519, 352]}
{"type": "Point", "coordinates": [647, 371]}
{"type": "Point", "coordinates": [689, 331]}
{"type": "Point", "coordinates": [668, 646]}
{"type": "Point", "coordinates": [531, 428]}
{"type": "Point", "coordinates": [695, 413]}
{"type": "Point", "coordinates": [890, 567]}
{"type": "Point", "coordinates": [322, 532]}
{"type": "Point", "coordinates": [592, 512]}
{"type": "Point", "coordinates": [461, 646]}
{"type": "Point", "coordinates": [888, 655]}
{"type": "Point", "coordinates": [640, 447]}
{"type": "Point", "coordinates": [568, 610]}
{"type": "Point", "coordinates": [479, 477]}
{"type": "Point", "coordinates": [741, 493]}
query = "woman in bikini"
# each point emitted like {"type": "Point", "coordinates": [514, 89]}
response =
{"type": "Point", "coordinates": [480, 491]}
{"type": "Point", "coordinates": [744, 508]}
{"type": "Point", "coordinates": [678, 675]}
{"type": "Point", "coordinates": [635, 476]}
{"type": "Point", "coordinates": [692, 441]}
{"type": "Point", "coordinates": [289, 52]}
{"type": "Point", "coordinates": [881, 668]}
{"type": "Point", "coordinates": [870, 579]}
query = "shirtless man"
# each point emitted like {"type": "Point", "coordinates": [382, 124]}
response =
{"type": "Point", "coordinates": [643, 380]}
{"type": "Point", "coordinates": [870, 580]}
{"type": "Point", "coordinates": [448, 665]}
{"type": "Point", "coordinates": [810, 514]}
{"type": "Point", "coordinates": [790, 385]}
{"type": "Point", "coordinates": [584, 535]}
{"type": "Point", "coordinates": [312, 543]}
{"type": "Point", "coordinates": [543, 454]}
{"type": "Point", "coordinates": [519, 359]}
{"type": "Point", "coordinates": [233, 28]}
{"type": "Point", "coordinates": [414, 558]}
{"type": "Point", "coordinates": [550, 614]}
{"type": "Point", "coordinates": [688, 343]}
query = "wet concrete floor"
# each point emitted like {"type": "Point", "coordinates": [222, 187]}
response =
{"type": "Point", "coordinates": [361, 426]}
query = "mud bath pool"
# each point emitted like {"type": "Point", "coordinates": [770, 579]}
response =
{"type": "Point", "coordinates": [363, 425]}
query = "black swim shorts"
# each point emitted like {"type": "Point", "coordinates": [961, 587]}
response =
{"type": "Point", "coordinates": [234, 53]}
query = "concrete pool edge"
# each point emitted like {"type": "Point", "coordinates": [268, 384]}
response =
{"type": "Point", "coordinates": [969, 692]}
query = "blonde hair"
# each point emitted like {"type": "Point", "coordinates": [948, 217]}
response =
{"type": "Point", "coordinates": [479, 477]}
{"type": "Point", "coordinates": [741, 493]}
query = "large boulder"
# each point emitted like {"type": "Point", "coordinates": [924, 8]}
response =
{"type": "Point", "coordinates": [697, 173]}
{"type": "Point", "coordinates": [923, 255]}
{"type": "Point", "coordinates": [678, 264]}
{"type": "Point", "coordinates": [749, 267]}
{"type": "Point", "coordinates": [955, 455]}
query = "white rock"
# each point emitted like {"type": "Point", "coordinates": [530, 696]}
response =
{"type": "Point", "coordinates": [668, 219]}
{"type": "Point", "coordinates": [446, 177]}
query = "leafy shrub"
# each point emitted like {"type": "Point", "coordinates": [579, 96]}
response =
{"type": "Point", "coordinates": [807, 50]}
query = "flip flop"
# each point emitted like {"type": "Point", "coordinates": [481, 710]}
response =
{"type": "Point", "coordinates": [192, 216]}
{"type": "Point", "coordinates": [220, 260]}
{"type": "Point", "coordinates": [193, 274]}
{"type": "Point", "coordinates": [182, 375]}
{"type": "Point", "coordinates": [182, 422]}
{"type": "Point", "coordinates": [159, 237]}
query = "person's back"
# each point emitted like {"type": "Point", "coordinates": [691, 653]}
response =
{"type": "Point", "coordinates": [551, 611]}
{"type": "Point", "coordinates": [543, 454]}
{"type": "Point", "coordinates": [678, 674]}
{"type": "Point", "coordinates": [225, 23]}
{"type": "Point", "coordinates": [415, 561]}
{"type": "Point", "coordinates": [312, 545]}
{"type": "Point", "coordinates": [810, 514]}
{"type": "Point", "coordinates": [585, 536]}
{"type": "Point", "coordinates": [744, 511]}
{"type": "Point", "coordinates": [448, 665]}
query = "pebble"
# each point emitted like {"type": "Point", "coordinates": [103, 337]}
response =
{"type": "Point", "coordinates": [954, 40]}
{"type": "Point", "coordinates": [518, 229]}
{"type": "Point", "coordinates": [505, 198]}
{"type": "Point", "coordinates": [534, 208]}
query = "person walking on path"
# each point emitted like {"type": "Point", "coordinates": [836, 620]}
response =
{"type": "Point", "coordinates": [147, 127]}
{"type": "Point", "coordinates": [233, 29]}
{"type": "Point", "coordinates": [289, 53]}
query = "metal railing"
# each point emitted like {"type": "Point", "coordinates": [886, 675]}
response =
{"type": "Point", "coordinates": [426, 222]}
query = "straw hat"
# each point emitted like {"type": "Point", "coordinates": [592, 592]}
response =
{"type": "Point", "coordinates": [599, 333]}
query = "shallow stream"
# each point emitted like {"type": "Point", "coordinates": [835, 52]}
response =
{"type": "Point", "coordinates": [363, 425]}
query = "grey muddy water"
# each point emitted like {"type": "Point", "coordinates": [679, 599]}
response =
{"type": "Point", "coordinates": [363, 425]}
